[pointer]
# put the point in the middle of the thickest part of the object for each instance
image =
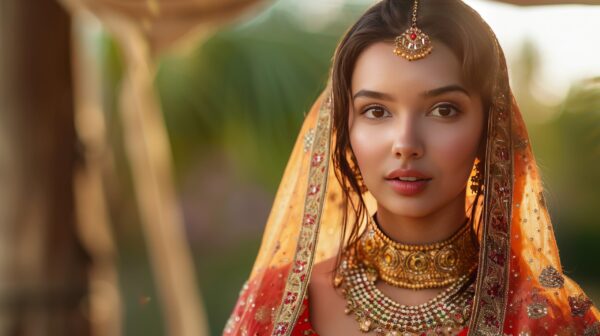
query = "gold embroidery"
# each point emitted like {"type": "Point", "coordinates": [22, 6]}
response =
{"type": "Point", "coordinates": [493, 273]}
{"type": "Point", "coordinates": [262, 315]}
{"type": "Point", "coordinates": [297, 280]}
{"type": "Point", "coordinates": [592, 330]}
{"type": "Point", "coordinates": [309, 138]}
{"type": "Point", "coordinates": [579, 305]}
{"type": "Point", "coordinates": [537, 310]}
{"type": "Point", "coordinates": [551, 278]}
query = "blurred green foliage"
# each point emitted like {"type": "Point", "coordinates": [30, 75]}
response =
{"type": "Point", "coordinates": [246, 89]}
{"type": "Point", "coordinates": [565, 137]}
{"type": "Point", "coordinates": [572, 154]}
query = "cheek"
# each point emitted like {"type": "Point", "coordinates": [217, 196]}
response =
{"type": "Point", "coordinates": [368, 147]}
{"type": "Point", "coordinates": [455, 152]}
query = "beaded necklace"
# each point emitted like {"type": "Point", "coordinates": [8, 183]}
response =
{"type": "Point", "coordinates": [445, 314]}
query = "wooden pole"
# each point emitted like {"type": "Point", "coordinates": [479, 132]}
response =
{"type": "Point", "coordinates": [43, 267]}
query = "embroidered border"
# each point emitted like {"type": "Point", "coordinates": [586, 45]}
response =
{"type": "Point", "coordinates": [299, 275]}
{"type": "Point", "coordinates": [492, 280]}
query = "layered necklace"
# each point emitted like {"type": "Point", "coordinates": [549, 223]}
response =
{"type": "Point", "coordinates": [375, 256]}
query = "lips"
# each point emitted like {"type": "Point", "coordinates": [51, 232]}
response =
{"type": "Point", "coordinates": [407, 173]}
{"type": "Point", "coordinates": [408, 182]}
{"type": "Point", "coordinates": [409, 179]}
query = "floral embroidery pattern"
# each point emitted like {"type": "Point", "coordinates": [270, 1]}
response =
{"type": "Point", "coordinates": [304, 255]}
{"type": "Point", "coordinates": [280, 329]}
{"type": "Point", "coordinates": [551, 278]}
{"type": "Point", "coordinates": [592, 330]}
{"type": "Point", "coordinates": [537, 310]}
{"type": "Point", "coordinates": [492, 280]}
{"type": "Point", "coordinates": [309, 139]}
{"type": "Point", "coordinates": [579, 305]}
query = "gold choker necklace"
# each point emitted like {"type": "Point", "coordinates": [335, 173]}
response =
{"type": "Point", "coordinates": [419, 266]}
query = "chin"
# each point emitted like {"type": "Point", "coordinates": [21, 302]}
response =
{"type": "Point", "coordinates": [413, 208]}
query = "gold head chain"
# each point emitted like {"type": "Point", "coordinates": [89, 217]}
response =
{"type": "Point", "coordinates": [413, 44]}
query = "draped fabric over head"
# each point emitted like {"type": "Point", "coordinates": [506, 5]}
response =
{"type": "Point", "coordinates": [520, 288]}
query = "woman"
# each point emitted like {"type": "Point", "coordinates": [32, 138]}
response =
{"type": "Point", "coordinates": [411, 204]}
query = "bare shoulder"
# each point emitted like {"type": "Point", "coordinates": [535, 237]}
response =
{"type": "Point", "coordinates": [323, 271]}
{"type": "Point", "coordinates": [321, 290]}
{"type": "Point", "coordinates": [327, 305]}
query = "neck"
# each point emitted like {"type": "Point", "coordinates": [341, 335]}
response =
{"type": "Point", "coordinates": [434, 227]}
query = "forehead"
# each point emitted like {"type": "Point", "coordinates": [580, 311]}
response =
{"type": "Point", "coordinates": [378, 68]}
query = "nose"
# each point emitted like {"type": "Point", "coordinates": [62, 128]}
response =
{"type": "Point", "coordinates": [407, 140]}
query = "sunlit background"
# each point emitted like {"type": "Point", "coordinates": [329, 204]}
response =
{"type": "Point", "coordinates": [233, 99]}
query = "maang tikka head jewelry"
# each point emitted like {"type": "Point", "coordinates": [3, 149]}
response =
{"type": "Point", "coordinates": [413, 44]}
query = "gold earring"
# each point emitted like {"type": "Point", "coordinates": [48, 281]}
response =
{"type": "Point", "coordinates": [477, 179]}
{"type": "Point", "coordinates": [361, 182]}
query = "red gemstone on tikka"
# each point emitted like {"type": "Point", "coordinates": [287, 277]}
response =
{"type": "Point", "coordinates": [413, 36]}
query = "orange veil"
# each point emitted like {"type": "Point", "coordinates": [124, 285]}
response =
{"type": "Point", "coordinates": [520, 288]}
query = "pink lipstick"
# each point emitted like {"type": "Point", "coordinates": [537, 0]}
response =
{"type": "Point", "coordinates": [408, 182]}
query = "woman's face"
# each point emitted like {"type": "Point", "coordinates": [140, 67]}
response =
{"type": "Point", "coordinates": [414, 129]}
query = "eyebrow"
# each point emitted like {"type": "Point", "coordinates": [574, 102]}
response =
{"type": "Point", "coordinates": [429, 93]}
{"type": "Point", "coordinates": [372, 94]}
{"type": "Point", "coordinates": [444, 89]}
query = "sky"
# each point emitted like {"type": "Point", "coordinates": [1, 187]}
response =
{"type": "Point", "coordinates": [566, 37]}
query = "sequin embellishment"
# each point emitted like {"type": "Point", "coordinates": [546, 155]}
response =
{"type": "Point", "coordinates": [551, 278]}
{"type": "Point", "coordinates": [579, 305]}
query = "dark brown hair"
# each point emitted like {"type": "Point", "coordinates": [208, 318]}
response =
{"type": "Point", "coordinates": [450, 22]}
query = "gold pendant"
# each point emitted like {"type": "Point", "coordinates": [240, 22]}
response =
{"type": "Point", "coordinates": [365, 324]}
{"type": "Point", "coordinates": [413, 44]}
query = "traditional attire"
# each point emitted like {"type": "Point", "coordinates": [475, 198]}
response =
{"type": "Point", "coordinates": [519, 287]}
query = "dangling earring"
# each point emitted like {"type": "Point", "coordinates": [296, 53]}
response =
{"type": "Point", "coordinates": [361, 183]}
{"type": "Point", "coordinates": [477, 179]}
{"type": "Point", "coordinates": [357, 175]}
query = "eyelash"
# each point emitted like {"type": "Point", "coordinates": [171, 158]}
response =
{"type": "Point", "coordinates": [447, 105]}
{"type": "Point", "coordinates": [443, 105]}
{"type": "Point", "coordinates": [374, 107]}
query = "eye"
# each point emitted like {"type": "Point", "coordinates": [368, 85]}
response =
{"type": "Point", "coordinates": [375, 112]}
{"type": "Point", "coordinates": [444, 111]}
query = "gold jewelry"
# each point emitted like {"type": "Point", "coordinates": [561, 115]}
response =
{"type": "Point", "coordinates": [445, 314]}
{"type": "Point", "coordinates": [361, 182]}
{"type": "Point", "coordinates": [413, 44]}
{"type": "Point", "coordinates": [477, 179]}
{"type": "Point", "coordinates": [419, 266]}
{"type": "Point", "coordinates": [357, 175]}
